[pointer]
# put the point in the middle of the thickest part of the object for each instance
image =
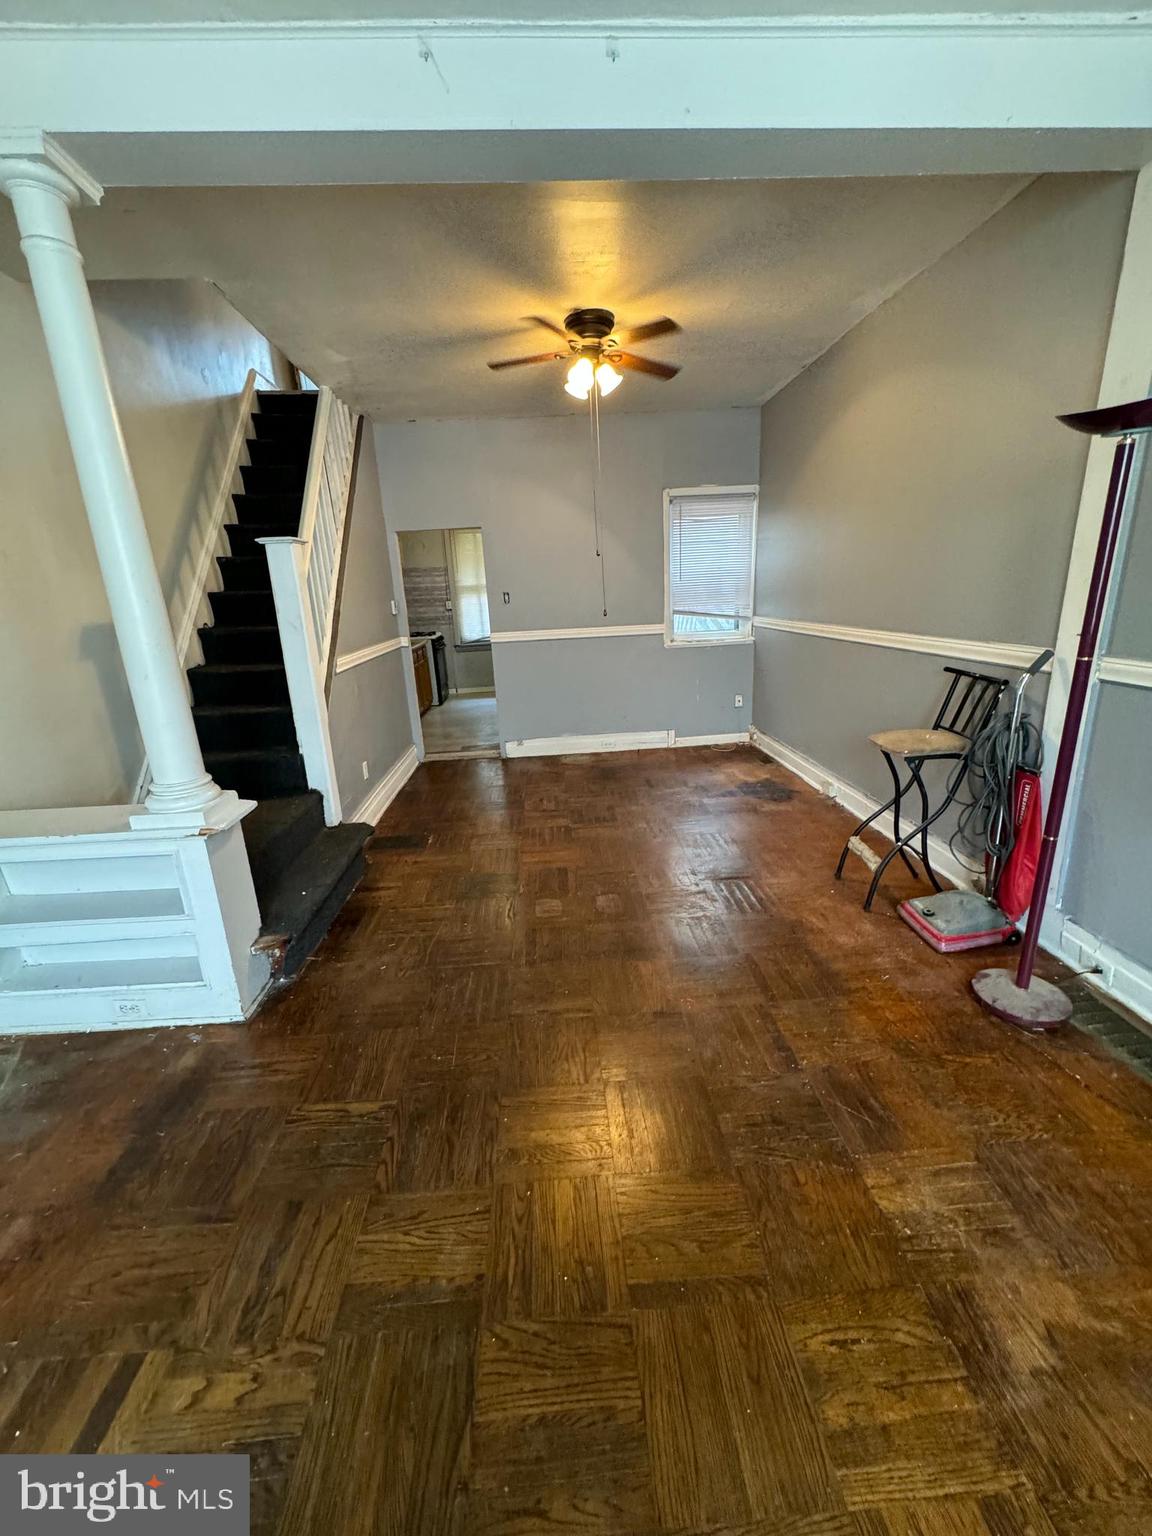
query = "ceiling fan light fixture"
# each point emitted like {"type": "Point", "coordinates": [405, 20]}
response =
{"type": "Point", "coordinates": [581, 377]}
{"type": "Point", "coordinates": [607, 379]}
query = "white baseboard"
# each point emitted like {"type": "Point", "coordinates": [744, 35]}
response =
{"type": "Point", "coordinates": [727, 738]}
{"type": "Point", "coordinates": [388, 788]}
{"type": "Point", "coordinates": [855, 800]}
{"type": "Point", "coordinates": [1119, 976]}
{"type": "Point", "coordinates": [561, 746]}
{"type": "Point", "coordinates": [627, 741]}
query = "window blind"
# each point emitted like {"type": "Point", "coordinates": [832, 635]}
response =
{"type": "Point", "coordinates": [711, 537]}
{"type": "Point", "coordinates": [470, 585]}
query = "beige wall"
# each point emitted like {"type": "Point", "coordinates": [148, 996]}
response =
{"type": "Point", "coordinates": [914, 479]}
{"type": "Point", "coordinates": [178, 355]}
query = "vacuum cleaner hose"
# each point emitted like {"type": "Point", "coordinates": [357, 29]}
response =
{"type": "Point", "coordinates": [985, 826]}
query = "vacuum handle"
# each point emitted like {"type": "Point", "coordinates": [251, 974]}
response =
{"type": "Point", "coordinates": [1040, 663]}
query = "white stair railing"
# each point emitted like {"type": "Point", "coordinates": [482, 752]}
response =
{"type": "Point", "coordinates": [305, 570]}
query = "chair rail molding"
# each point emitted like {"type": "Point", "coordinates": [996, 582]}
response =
{"type": "Point", "coordinates": [1004, 653]}
{"type": "Point", "coordinates": [1125, 669]}
{"type": "Point", "coordinates": [593, 632]}
{"type": "Point", "coordinates": [351, 659]}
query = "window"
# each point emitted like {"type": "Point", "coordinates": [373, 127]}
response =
{"type": "Point", "coordinates": [469, 586]}
{"type": "Point", "coordinates": [710, 547]}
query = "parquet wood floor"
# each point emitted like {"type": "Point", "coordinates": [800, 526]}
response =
{"type": "Point", "coordinates": [608, 1171]}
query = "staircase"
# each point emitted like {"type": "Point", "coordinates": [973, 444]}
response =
{"type": "Point", "coordinates": [302, 869]}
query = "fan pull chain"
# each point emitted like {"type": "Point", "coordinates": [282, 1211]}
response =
{"type": "Point", "coordinates": [594, 396]}
{"type": "Point", "coordinates": [594, 448]}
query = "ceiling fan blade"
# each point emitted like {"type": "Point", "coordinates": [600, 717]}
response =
{"type": "Point", "coordinates": [636, 364]}
{"type": "Point", "coordinates": [522, 362]}
{"type": "Point", "coordinates": [661, 327]}
{"type": "Point", "coordinates": [547, 324]}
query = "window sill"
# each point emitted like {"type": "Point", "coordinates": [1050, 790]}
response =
{"type": "Point", "coordinates": [693, 642]}
{"type": "Point", "coordinates": [472, 645]}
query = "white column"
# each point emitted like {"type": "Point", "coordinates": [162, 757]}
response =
{"type": "Point", "coordinates": [42, 194]}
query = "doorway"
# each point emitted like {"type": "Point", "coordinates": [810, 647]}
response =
{"type": "Point", "coordinates": [446, 594]}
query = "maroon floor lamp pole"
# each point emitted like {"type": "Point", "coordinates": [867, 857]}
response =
{"type": "Point", "coordinates": [1026, 999]}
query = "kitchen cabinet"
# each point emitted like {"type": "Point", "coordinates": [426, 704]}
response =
{"type": "Point", "coordinates": [423, 672]}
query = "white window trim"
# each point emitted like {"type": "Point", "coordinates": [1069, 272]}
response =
{"type": "Point", "coordinates": [679, 642]}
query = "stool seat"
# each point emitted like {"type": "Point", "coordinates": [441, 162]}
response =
{"type": "Point", "coordinates": [969, 704]}
{"type": "Point", "coordinates": [921, 742]}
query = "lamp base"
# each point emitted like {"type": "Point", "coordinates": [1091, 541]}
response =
{"type": "Point", "coordinates": [1039, 1007]}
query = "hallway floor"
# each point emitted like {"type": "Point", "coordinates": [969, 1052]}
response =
{"type": "Point", "coordinates": [609, 1171]}
{"type": "Point", "coordinates": [464, 724]}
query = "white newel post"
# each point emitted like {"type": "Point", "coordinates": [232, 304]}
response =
{"type": "Point", "coordinates": [43, 187]}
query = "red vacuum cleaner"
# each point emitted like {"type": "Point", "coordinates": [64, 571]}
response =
{"type": "Point", "coordinates": [1007, 808]}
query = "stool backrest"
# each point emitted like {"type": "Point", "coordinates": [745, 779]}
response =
{"type": "Point", "coordinates": [969, 703]}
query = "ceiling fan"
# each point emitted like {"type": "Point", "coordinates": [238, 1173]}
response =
{"type": "Point", "coordinates": [595, 353]}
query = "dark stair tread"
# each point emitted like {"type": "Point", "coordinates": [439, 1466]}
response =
{"type": "Point", "coordinates": [270, 425]}
{"type": "Point", "coordinates": [263, 450]}
{"type": "Point", "coordinates": [240, 608]}
{"type": "Point", "coordinates": [303, 901]}
{"type": "Point", "coordinates": [241, 709]}
{"type": "Point", "coordinates": [252, 755]}
{"type": "Point", "coordinates": [258, 773]}
{"type": "Point", "coordinates": [278, 831]}
{"type": "Point", "coordinates": [226, 631]}
{"type": "Point", "coordinates": [294, 402]}
{"type": "Point", "coordinates": [250, 532]}
{"type": "Point", "coordinates": [247, 667]}
{"type": "Point", "coordinates": [235, 682]}
{"type": "Point", "coordinates": [249, 572]}
{"type": "Point", "coordinates": [277, 511]}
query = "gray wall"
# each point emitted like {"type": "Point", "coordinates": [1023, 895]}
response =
{"type": "Point", "coordinates": [368, 706]}
{"type": "Point", "coordinates": [178, 355]}
{"type": "Point", "coordinates": [1109, 886]}
{"type": "Point", "coordinates": [570, 687]}
{"type": "Point", "coordinates": [913, 478]}
{"type": "Point", "coordinates": [527, 485]}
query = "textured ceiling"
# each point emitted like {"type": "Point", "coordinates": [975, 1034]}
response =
{"type": "Point", "coordinates": [397, 296]}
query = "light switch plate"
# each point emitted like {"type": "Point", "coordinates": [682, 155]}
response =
{"type": "Point", "coordinates": [739, 701]}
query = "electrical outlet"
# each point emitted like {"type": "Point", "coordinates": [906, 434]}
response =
{"type": "Point", "coordinates": [364, 769]}
{"type": "Point", "coordinates": [739, 701]}
{"type": "Point", "coordinates": [393, 606]}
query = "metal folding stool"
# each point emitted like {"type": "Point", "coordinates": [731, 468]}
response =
{"type": "Point", "coordinates": [968, 706]}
